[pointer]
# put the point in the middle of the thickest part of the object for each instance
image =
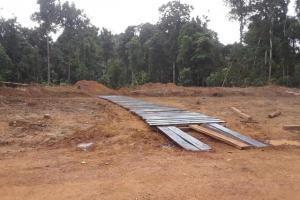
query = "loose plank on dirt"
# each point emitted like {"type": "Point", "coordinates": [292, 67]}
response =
{"type": "Point", "coordinates": [200, 145]}
{"type": "Point", "coordinates": [234, 134]}
{"type": "Point", "coordinates": [236, 143]}
{"type": "Point", "coordinates": [177, 139]}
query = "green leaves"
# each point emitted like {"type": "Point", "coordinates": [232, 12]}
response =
{"type": "Point", "coordinates": [5, 64]}
{"type": "Point", "coordinates": [199, 53]}
{"type": "Point", "coordinates": [148, 52]}
{"type": "Point", "coordinates": [298, 8]}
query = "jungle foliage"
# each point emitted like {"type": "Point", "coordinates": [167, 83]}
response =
{"type": "Point", "coordinates": [178, 48]}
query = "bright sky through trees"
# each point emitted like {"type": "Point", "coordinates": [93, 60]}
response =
{"type": "Point", "coordinates": [116, 15]}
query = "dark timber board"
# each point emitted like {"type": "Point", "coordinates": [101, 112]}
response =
{"type": "Point", "coordinates": [177, 139]}
{"type": "Point", "coordinates": [235, 134]}
{"type": "Point", "coordinates": [176, 118]}
{"type": "Point", "coordinates": [200, 145]}
{"type": "Point", "coordinates": [180, 123]}
{"type": "Point", "coordinates": [171, 114]}
{"type": "Point", "coordinates": [184, 140]}
{"type": "Point", "coordinates": [155, 110]}
{"type": "Point", "coordinates": [180, 120]}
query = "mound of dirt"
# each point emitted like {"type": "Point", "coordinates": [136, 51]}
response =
{"type": "Point", "coordinates": [170, 89]}
{"type": "Point", "coordinates": [39, 91]}
{"type": "Point", "coordinates": [94, 88]}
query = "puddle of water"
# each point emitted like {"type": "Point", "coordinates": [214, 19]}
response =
{"type": "Point", "coordinates": [284, 142]}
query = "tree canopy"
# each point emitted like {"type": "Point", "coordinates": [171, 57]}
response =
{"type": "Point", "coordinates": [178, 48]}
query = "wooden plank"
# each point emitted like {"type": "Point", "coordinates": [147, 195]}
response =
{"type": "Point", "coordinates": [234, 134]}
{"type": "Point", "coordinates": [177, 139]}
{"type": "Point", "coordinates": [135, 104]}
{"type": "Point", "coordinates": [176, 117]}
{"type": "Point", "coordinates": [200, 145]}
{"type": "Point", "coordinates": [13, 84]}
{"type": "Point", "coordinates": [136, 109]}
{"type": "Point", "coordinates": [166, 114]}
{"type": "Point", "coordinates": [185, 121]}
{"type": "Point", "coordinates": [160, 115]}
{"type": "Point", "coordinates": [177, 112]}
{"type": "Point", "coordinates": [181, 123]}
{"type": "Point", "coordinates": [172, 118]}
{"type": "Point", "coordinates": [171, 114]}
{"type": "Point", "coordinates": [152, 110]}
{"type": "Point", "coordinates": [149, 108]}
{"type": "Point", "coordinates": [228, 140]}
{"type": "Point", "coordinates": [179, 119]}
{"type": "Point", "coordinates": [157, 109]}
{"type": "Point", "coordinates": [291, 127]}
{"type": "Point", "coordinates": [241, 114]}
{"type": "Point", "coordinates": [293, 93]}
{"type": "Point", "coordinates": [274, 114]}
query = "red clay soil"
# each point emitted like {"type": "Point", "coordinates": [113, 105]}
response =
{"type": "Point", "coordinates": [93, 87]}
{"type": "Point", "coordinates": [39, 158]}
{"type": "Point", "coordinates": [170, 89]}
{"type": "Point", "coordinates": [39, 91]}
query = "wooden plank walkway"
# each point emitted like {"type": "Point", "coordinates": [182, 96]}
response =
{"type": "Point", "coordinates": [158, 115]}
{"type": "Point", "coordinates": [165, 118]}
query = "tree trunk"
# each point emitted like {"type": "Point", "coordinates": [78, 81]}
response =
{"type": "Point", "coordinates": [283, 72]}
{"type": "Point", "coordinates": [266, 56]}
{"type": "Point", "coordinates": [271, 51]}
{"type": "Point", "coordinates": [241, 30]}
{"type": "Point", "coordinates": [285, 38]}
{"type": "Point", "coordinates": [48, 60]}
{"type": "Point", "coordinates": [255, 55]}
{"type": "Point", "coordinates": [132, 77]}
{"type": "Point", "coordinates": [174, 73]}
{"type": "Point", "coordinates": [18, 74]}
{"type": "Point", "coordinates": [69, 73]}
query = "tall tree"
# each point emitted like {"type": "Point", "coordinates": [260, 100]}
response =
{"type": "Point", "coordinates": [22, 54]}
{"type": "Point", "coordinates": [172, 17]}
{"type": "Point", "coordinates": [298, 7]}
{"type": "Point", "coordinates": [272, 14]}
{"type": "Point", "coordinates": [240, 10]}
{"type": "Point", "coordinates": [157, 58]}
{"type": "Point", "coordinates": [146, 32]}
{"type": "Point", "coordinates": [5, 64]}
{"type": "Point", "coordinates": [73, 22]}
{"type": "Point", "coordinates": [107, 45]}
{"type": "Point", "coordinates": [199, 52]}
{"type": "Point", "coordinates": [48, 17]}
{"type": "Point", "coordinates": [122, 49]}
{"type": "Point", "coordinates": [135, 57]}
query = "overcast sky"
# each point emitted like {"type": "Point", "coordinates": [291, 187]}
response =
{"type": "Point", "coordinates": [116, 15]}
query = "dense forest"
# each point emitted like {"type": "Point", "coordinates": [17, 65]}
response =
{"type": "Point", "coordinates": [178, 48]}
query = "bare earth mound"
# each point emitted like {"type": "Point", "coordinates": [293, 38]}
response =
{"type": "Point", "coordinates": [170, 89]}
{"type": "Point", "coordinates": [39, 91]}
{"type": "Point", "coordinates": [94, 88]}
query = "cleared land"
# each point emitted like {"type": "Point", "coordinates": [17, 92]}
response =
{"type": "Point", "coordinates": [41, 126]}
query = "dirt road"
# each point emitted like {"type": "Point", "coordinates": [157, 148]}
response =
{"type": "Point", "coordinates": [39, 158]}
